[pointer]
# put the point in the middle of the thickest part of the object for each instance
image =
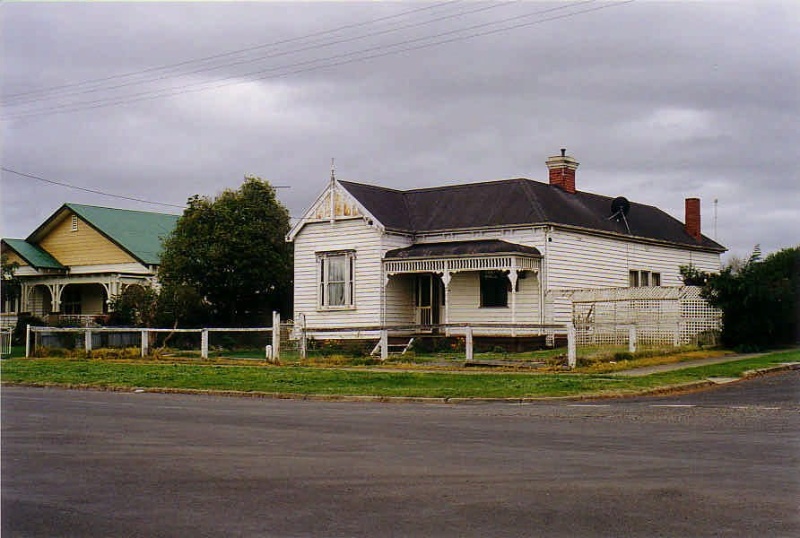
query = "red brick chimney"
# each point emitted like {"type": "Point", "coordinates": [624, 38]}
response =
{"type": "Point", "coordinates": [692, 225]}
{"type": "Point", "coordinates": [562, 171]}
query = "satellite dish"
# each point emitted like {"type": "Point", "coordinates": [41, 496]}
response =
{"type": "Point", "coordinates": [620, 207]}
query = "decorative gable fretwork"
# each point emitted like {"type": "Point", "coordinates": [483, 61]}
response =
{"type": "Point", "coordinates": [335, 204]}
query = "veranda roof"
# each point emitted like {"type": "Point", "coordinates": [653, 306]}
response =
{"type": "Point", "coordinates": [458, 249]}
{"type": "Point", "coordinates": [35, 256]}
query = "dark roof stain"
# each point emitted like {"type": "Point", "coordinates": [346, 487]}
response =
{"type": "Point", "coordinates": [512, 202]}
{"type": "Point", "coordinates": [462, 248]}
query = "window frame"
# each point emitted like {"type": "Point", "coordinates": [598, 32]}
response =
{"type": "Point", "coordinates": [324, 283]}
{"type": "Point", "coordinates": [638, 278]}
{"type": "Point", "coordinates": [495, 278]}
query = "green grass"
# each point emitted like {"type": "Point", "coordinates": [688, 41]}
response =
{"type": "Point", "coordinates": [330, 381]}
{"type": "Point", "coordinates": [17, 352]}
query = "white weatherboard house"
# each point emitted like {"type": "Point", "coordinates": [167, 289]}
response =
{"type": "Point", "coordinates": [498, 252]}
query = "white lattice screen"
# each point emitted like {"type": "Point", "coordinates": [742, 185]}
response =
{"type": "Point", "coordinates": [660, 316]}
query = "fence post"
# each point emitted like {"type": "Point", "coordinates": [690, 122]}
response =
{"type": "Point", "coordinates": [632, 339]}
{"type": "Point", "coordinates": [204, 343]}
{"type": "Point", "coordinates": [303, 343]}
{"type": "Point", "coordinates": [572, 358]}
{"type": "Point", "coordinates": [276, 336]}
{"type": "Point", "coordinates": [27, 341]}
{"type": "Point", "coordinates": [384, 344]}
{"type": "Point", "coordinates": [87, 340]}
{"type": "Point", "coordinates": [468, 343]}
{"type": "Point", "coordinates": [145, 343]}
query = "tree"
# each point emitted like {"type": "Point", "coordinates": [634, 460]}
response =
{"type": "Point", "coordinates": [8, 279]}
{"type": "Point", "coordinates": [759, 299]}
{"type": "Point", "coordinates": [232, 252]}
{"type": "Point", "coordinates": [136, 306]}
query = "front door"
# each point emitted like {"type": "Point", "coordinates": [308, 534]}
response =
{"type": "Point", "coordinates": [429, 298]}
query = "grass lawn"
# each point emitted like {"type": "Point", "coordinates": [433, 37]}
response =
{"type": "Point", "coordinates": [336, 381]}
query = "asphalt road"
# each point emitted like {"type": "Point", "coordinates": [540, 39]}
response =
{"type": "Point", "coordinates": [724, 462]}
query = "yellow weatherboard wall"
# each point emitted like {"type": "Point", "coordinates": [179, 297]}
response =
{"type": "Point", "coordinates": [84, 246]}
{"type": "Point", "coordinates": [11, 257]}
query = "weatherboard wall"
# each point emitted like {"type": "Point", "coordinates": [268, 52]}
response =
{"type": "Point", "coordinates": [399, 291]}
{"type": "Point", "coordinates": [571, 260]}
{"type": "Point", "coordinates": [84, 246]}
{"type": "Point", "coordinates": [13, 257]}
{"type": "Point", "coordinates": [579, 261]}
{"type": "Point", "coordinates": [343, 234]}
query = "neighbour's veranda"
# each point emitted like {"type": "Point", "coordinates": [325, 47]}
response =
{"type": "Point", "coordinates": [511, 264]}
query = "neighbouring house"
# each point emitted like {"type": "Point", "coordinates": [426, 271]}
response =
{"type": "Point", "coordinates": [80, 257]}
{"type": "Point", "coordinates": [496, 252]}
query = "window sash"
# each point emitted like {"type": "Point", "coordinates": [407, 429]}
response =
{"type": "Point", "coordinates": [643, 279]}
{"type": "Point", "coordinates": [336, 274]}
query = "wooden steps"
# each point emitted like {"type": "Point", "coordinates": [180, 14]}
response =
{"type": "Point", "coordinates": [396, 345]}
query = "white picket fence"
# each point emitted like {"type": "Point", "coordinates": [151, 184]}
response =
{"type": "Point", "coordinates": [5, 342]}
{"type": "Point", "coordinates": [143, 336]}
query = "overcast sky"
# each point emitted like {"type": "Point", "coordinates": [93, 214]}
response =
{"type": "Point", "coordinates": [658, 101]}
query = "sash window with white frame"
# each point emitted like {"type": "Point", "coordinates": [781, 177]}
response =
{"type": "Point", "coordinates": [336, 279]}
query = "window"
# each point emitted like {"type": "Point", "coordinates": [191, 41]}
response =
{"type": "Point", "coordinates": [643, 279]}
{"type": "Point", "coordinates": [74, 223]}
{"type": "Point", "coordinates": [336, 272]}
{"type": "Point", "coordinates": [494, 288]}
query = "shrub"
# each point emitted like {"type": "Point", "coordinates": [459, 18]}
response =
{"type": "Point", "coordinates": [18, 337]}
{"type": "Point", "coordinates": [759, 301]}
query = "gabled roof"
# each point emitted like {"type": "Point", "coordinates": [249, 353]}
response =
{"type": "Point", "coordinates": [35, 256]}
{"type": "Point", "coordinates": [512, 202]}
{"type": "Point", "coordinates": [139, 233]}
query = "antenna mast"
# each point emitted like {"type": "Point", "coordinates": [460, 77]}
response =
{"type": "Point", "coordinates": [716, 201]}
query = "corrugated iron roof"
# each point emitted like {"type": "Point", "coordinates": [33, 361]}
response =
{"type": "Point", "coordinates": [455, 249]}
{"type": "Point", "coordinates": [512, 202]}
{"type": "Point", "coordinates": [138, 232]}
{"type": "Point", "coordinates": [33, 254]}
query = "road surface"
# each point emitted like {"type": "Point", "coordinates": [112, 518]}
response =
{"type": "Point", "coordinates": [723, 462]}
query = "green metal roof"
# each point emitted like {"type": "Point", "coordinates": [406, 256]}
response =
{"type": "Point", "coordinates": [37, 257]}
{"type": "Point", "coordinates": [138, 232]}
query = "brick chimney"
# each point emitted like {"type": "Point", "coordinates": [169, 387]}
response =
{"type": "Point", "coordinates": [562, 171]}
{"type": "Point", "coordinates": [692, 222]}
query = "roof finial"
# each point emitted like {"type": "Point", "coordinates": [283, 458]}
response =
{"type": "Point", "coordinates": [333, 171]}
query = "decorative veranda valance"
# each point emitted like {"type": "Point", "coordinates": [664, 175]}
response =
{"type": "Point", "coordinates": [457, 256]}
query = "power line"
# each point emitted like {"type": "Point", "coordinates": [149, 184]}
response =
{"type": "Point", "coordinates": [231, 53]}
{"type": "Point", "coordinates": [192, 88]}
{"type": "Point", "coordinates": [93, 191]}
{"type": "Point", "coordinates": [167, 75]}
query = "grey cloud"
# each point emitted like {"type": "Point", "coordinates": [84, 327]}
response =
{"type": "Point", "coordinates": [658, 101]}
